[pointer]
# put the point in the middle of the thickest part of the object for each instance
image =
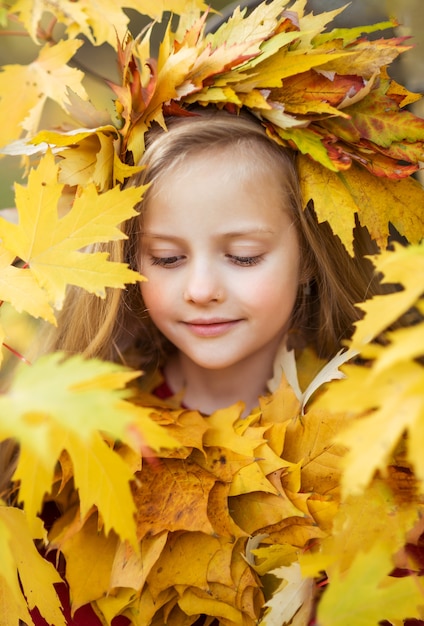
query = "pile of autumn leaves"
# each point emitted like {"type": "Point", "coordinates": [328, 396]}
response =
{"type": "Point", "coordinates": [196, 507]}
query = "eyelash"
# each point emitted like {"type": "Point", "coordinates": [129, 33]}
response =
{"type": "Point", "coordinates": [245, 261]}
{"type": "Point", "coordinates": [242, 261]}
{"type": "Point", "coordinates": [167, 261]}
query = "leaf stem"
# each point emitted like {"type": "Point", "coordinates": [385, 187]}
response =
{"type": "Point", "coordinates": [17, 354]}
{"type": "Point", "coordinates": [13, 33]}
{"type": "Point", "coordinates": [46, 34]}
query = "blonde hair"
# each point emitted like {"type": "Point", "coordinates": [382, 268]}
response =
{"type": "Point", "coordinates": [331, 281]}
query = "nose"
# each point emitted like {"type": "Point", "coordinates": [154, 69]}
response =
{"type": "Point", "coordinates": [203, 284]}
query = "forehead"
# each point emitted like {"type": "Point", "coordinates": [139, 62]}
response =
{"type": "Point", "coordinates": [217, 192]}
{"type": "Point", "coordinates": [241, 158]}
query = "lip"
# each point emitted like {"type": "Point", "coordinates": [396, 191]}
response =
{"type": "Point", "coordinates": [213, 327]}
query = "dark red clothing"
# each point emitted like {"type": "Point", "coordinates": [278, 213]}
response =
{"type": "Point", "coordinates": [84, 616]}
{"type": "Point", "coordinates": [163, 391]}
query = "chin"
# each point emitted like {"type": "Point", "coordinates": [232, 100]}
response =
{"type": "Point", "coordinates": [213, 366]}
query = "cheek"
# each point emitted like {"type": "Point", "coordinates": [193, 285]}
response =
{"type": "Point", "coordinates": [276, 289]}
{"type": "Point", "coordinates": [274, 300]}
{"type": "Point", "coordinates": [153, 297]}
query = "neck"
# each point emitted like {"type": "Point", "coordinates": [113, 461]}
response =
{"type": "Point", "coordinates": [208, 390]}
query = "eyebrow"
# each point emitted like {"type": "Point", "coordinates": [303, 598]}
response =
{"type": "Point", "coordinates": [253, 231]}
{"type": "Point", "coordinates": [230, 235]}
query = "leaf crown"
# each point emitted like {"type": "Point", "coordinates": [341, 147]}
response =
{"type": "Point", "coordinates": [323, 93]}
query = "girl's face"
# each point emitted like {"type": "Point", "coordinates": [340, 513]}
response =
{"type": "Point", "coordinates": [221, 256]}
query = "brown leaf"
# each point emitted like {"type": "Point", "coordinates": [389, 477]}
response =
{"type": "Point", "coordinates": [173, 496]}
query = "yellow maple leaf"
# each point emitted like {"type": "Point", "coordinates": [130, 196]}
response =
{"type": "Point", "coordinates": [404, 265]}
{"type": "Point", "coordinates": [388, 391]}
{"type": "Point", "coordinates": [381, 201]}
{"type": "Point", "coordinates": [366, 56]}
{"type": "Point", "coordinates": [51, 246]}
{"type": "Point", "coordinates": [95, 160]}
{"type": "Point", "coordinates": [19, 287]}
{"type": "Point", "coordinates": [89, 558]}
{"type": "Point", "coordinates": [30, 12]}
{"type": "Point", "coordinates": [250, 479]}
{"type": "Point", "coordinates": [99, 23]}
{"type": "Point", "coordinates": [312, 24]}
{"type": "Point", "coordinates": [396, 400]}
{"type": "Point", "coordinates": [36, 575]}
{"type": "Point", "coordinates": [13, 605]}
{"type": "Point", "coordinates": [256, 26]}
{"type": "Point", "coordinates": [380, 515]}
{"type": "Point", "coordinates": [405, 344]}
{"type": "Point", "coordinates": [333, 203]}
{"type": "Point", "coordinates": [286, 63]}
{"type": "Point", "coordinates": [377, 201]}
{"type": "Point", "coordinates": [365, 595]}
{"type": "Point", "coordinates": [386, 394]}
{"type": "Point", "coordinates": [48, 76]}
{"type": "Point", "coordinates": [56, 405]}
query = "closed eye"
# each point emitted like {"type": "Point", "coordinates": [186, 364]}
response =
{"type": "Point", "coordinates": [166, 261]}
{"type": "Point", "coordinates": [245, 261]}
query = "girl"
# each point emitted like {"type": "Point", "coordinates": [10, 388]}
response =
{"type": "Point", "coordinates": [234, 264]}
{"type": "Point", "coordinates": [235, 269]}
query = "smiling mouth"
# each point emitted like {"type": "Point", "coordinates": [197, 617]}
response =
{"type": "Point", "coordinates": [211, 328]}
